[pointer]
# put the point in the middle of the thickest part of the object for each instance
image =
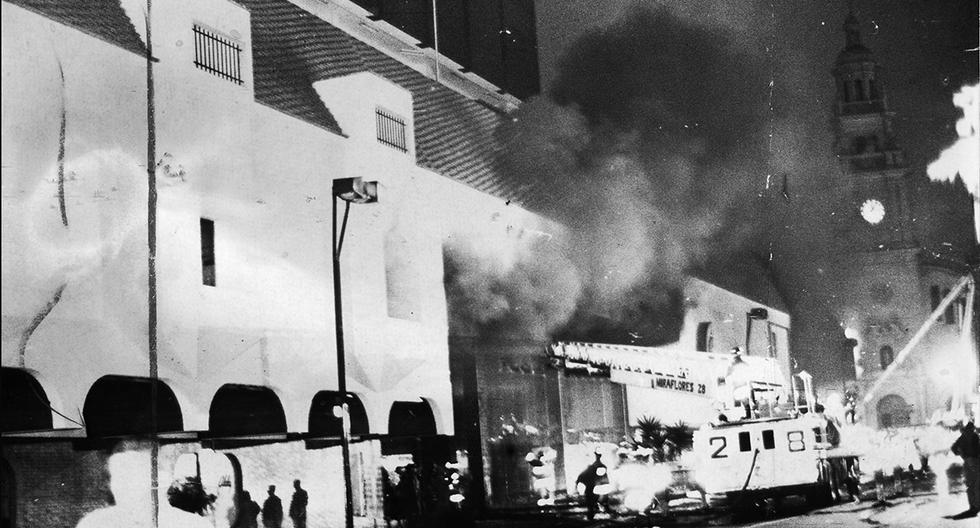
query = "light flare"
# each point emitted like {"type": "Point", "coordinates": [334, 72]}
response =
{"type": "Point", "coordinates": [962, 158]}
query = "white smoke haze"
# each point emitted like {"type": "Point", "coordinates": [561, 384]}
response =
{"type": "Point", "coordinates": [516, 286]}
{"type": "Point", "coordinates": [885, 449]}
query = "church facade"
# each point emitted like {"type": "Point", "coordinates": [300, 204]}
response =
{"type": "Point", "coordinates": [903, 296]}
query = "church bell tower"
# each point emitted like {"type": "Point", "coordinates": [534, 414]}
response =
{"type": "Point", "coordinates": [877, 211]}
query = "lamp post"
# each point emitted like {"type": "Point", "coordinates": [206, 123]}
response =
{"type": "Point", "coordinates": [350, 190]}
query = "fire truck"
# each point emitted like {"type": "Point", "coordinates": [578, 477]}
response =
{"type": "Point", "coordinates": [739, 463]}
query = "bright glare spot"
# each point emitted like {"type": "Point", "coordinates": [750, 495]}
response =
{"type": "Point", "coordinates": [456, 498]}
{"type": "Point", "coordinates": [963, 157]}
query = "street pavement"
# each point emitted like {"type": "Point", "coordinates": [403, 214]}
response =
{"type": "Point", "coordinates": [922, 511]}
{"type": "Point", "coordinates": [917, 511]}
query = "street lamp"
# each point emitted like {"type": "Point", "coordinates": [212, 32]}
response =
{"type": "Point", "coordinates": [350, 190]}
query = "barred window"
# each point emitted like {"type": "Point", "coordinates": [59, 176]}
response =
{"type": "Point", "coordinates": [391, 129]}
{"type": "Point", "coordinates": [217, 55]}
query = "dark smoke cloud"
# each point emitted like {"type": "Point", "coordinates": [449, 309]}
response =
{"type": "Point", "coordinates": [662, 149]}
{"type": "Point", "coordinates": [651, 149]}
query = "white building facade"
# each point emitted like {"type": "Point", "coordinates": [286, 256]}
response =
{"type": "Point", "coordinates": [209, 286]}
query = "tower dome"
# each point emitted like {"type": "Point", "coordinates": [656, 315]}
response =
{"type": "Point", "coordinates": [854, 51]}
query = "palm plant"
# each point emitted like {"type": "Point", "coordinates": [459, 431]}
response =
{"type": "Point", "coordinates": [665, 442]}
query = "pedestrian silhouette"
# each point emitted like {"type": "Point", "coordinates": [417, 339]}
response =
{"type": "Point", "coordinates": [407, 496]}
{"type": "Point", "coordinates": [297, 506]}
{"type": "Point", "coordinates": [390, 500]}
{"type": "Point", "coordinates": [248, 512]}
{"type": "Point", "coordinates": [594, 475]}
{"type": "Point", "coordinates": [967, 447]}
{"type": "Point", "coordinates": [272, 510]}
{"type": "Point", "coordinates": [132, 492]}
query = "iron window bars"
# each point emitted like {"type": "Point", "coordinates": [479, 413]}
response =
{"type": "Point", "coordinates": [391, 129]}
{"type": "Point", "coordinates": [217, 55]}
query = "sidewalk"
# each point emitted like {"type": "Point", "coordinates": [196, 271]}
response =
{"type": "Point", "coordinates": [926, 511]}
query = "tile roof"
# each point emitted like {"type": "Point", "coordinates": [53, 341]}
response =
{"type": "Point", "coordinates": [291, 49]}
{"type": "Point", "coordinates": [454, 135]}
{"type": "Point", "coordinates": [103, 19]}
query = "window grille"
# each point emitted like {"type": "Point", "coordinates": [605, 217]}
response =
{"type": "Point", "coordinates": [217, 55]}
{"type": "Point", "coordinates": [391, 129]}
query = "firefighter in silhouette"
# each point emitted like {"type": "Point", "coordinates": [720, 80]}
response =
{"type": "Point", "coordinates": [596, 475]}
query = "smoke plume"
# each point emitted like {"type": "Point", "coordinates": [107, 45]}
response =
{"type": "Point", "coordinates": [650, 149]}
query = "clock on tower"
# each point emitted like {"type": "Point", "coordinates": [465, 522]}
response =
{"type": "Point", "coordinates": [873, 211]}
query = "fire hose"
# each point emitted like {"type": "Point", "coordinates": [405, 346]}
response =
{"type": "Point", "coordinates": [748, 477]}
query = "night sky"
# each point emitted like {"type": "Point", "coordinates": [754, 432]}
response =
{"type": "Point", "coordinates": [922, 46]}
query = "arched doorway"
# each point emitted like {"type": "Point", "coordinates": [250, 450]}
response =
{"type": "Point", "coordinates": [244, 410]}
{"type": "Point", "coordinates": [324, 421]}
{"type": "Point", "coordinates": [24, 406]}
{"type": "Point", "coordinates": [124, 405]}
{"type": "Point", "coordinates": [893, 411]}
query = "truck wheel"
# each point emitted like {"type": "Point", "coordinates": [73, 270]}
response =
{"type": "Point", "coordinates": [819, 496]}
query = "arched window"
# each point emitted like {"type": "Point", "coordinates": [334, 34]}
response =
{"type": "Point", "coordinates": [124, 405]}
{"type": "Point", "coordinates": [886, 355]}
{"type": "Point", "coordinates": [324, 420]}
{"type": "Point", "coordinates": [242, 410]}
{"type": "Point", "coordinates": [23, 404]}
{"type": "Point", "coordinates": [408, 422]}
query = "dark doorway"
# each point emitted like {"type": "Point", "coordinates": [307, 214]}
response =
{"type": "Point", "coordinates": [23, 404]}
{"type": "Point", "coordinates": [8, 499]}
{"type": "Point", "coordinates": [123, 405]}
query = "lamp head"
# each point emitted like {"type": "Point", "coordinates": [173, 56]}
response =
{"type": "Point", "coordinates": [356, 190]}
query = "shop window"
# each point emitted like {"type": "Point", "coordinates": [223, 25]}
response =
{"type": "Point", "coordinates": [208, 272]}
{"type": "Point", "coordinates": [885, 356]}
